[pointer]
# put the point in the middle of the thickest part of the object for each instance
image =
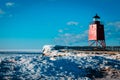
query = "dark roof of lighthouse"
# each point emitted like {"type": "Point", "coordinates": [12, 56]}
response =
{"type": "Point", "coordinates": [96, 16]}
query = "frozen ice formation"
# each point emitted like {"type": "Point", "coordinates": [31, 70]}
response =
{"type": "Point", "coordinates": [48, 48]}
{"type": "Point", "coordinates": [39, 67]}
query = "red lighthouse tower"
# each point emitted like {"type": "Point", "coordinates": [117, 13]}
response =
{"type": "Point", "coordinates": [96, 33]}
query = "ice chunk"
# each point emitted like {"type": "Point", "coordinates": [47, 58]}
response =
{"type": "Point", "coordinates": [48, 48]}
{"type": "Point", "coordinates": [63, 67]}
{"type": "Point", "coordinates": [52, 58]}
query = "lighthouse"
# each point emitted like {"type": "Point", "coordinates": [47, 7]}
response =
{"type": "Point", "coordinates": [96, 35]}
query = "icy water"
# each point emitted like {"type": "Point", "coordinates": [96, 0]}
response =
{"type": "Point", "coordinates": [10, 54]}
{"type": "Point", "coordinates": [35, 66]}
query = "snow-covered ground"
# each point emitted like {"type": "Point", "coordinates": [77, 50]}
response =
{"type": "Point", "coordinates": [75, 66]}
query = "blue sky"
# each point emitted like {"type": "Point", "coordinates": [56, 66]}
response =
{"type": "Point", "coordinates": [30, 24]}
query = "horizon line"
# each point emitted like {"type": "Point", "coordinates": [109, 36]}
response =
{"type": "Point", "coordinates": [21, 50]}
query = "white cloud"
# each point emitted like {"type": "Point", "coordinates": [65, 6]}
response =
{"type": "Point", "coordinates": [71, 35]}
{"type": "Point", "coordinates": [71, 38]}
{"type": "Point", "coordinates": [72, 23]}
{"type": "Point", "coordinates": [1, 11]}
{"type": "Point", "coordinates": [10, 4]}
{"type": "Point", "coordinates": [10, 15]}
{"type": "Point", "coordinates": [116, 24]}
{"type": "Point", "coordinates": [6, 14]}
{"type": "Point", "coordinates": [67, 34]}
{"type": "Point", "coordinates": [82, 36]}
{"type": "Point", "coordinates": [60, 30]}
{"type": "Point", "coordinates": [112, 30]}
